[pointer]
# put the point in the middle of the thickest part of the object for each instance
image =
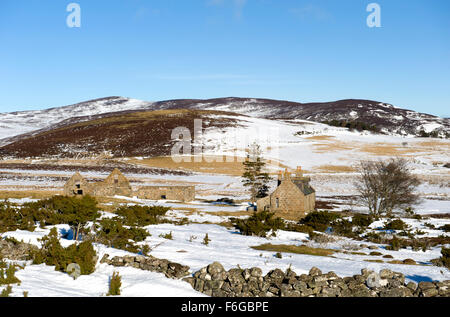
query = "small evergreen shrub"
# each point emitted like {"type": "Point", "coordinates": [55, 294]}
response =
{"type": "Point", "coordinates": [115, 283]}
{"type": "Point", "coordinates": [112, 233]}
{"type": "Point", "coordinates": [319, 220]}
{"type": "Point", "coordinates": [74, 211]}
{"type": "Point", "coordinates": [7, 276]}
{"type": "Point", "coordinates": [6, 292]}
{"type": "Point", "coordinates": [52, 253]}
{"type": "Point", "coordinates": [142, 215]}
{"type": "Point", "coordinates": [343, 227]}
{"type": "Point", "coordinates": [167, 236]}
{"type": "Point", "coordinates": [394, 244]}
{"type": "Point", "coordinates": [12, 218]}
{"type": "Point", "coordinates": [206, 240]}
{"type": "Point", "coordinates": [396, 224]}
{"type": "Point", "coordinates": [298, 228]}
{"type": "Point", "coordinates": [259, 224]}
{"type": "Point", "coordinates": [444, 260]}
{"type": "Point", "coordinates": [362, 220]}
{"type": "Point", "coordinates": [445, 228]}
{"type": "Point", "coordinates": [374, 237]}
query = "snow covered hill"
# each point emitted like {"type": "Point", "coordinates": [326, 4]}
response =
{"type": "Point", "coordinates": [16, 123]}
{"type": "Point", "coordinates": [386, 117]}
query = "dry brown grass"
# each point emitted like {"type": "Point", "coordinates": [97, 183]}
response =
{"type": "Point", "coordinates": [392, 149]}
{"type": "Point", "coordinates": [297, 249]}
{"type": "Point", "coordinates": [34, 194]}
{"type": "Point", "coordinates": [374, 261]}
{"type": "Point", "coordinates": [226, 165]}
{"type": "Point", "coordinates": [356, 253]}
{"type": "Point", "coordinates": [230, 213]}
{"type": "Point", "coordinates": [335, 169]}
{"type": "Point", "coordinates": [404, 262]}
{"type": "Point", "coordinates": [433, 144]}
{"type": "Point", "coordinates": [321, 137]}
{"type": "Point", "coordinates": [331, 147]}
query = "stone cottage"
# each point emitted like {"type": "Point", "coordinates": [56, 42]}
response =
{"type": "Point", "coordinates": [293, 198]}
{"type": "Point", "coordinates": [180, 193]}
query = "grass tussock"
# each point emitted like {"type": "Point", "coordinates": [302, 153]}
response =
{"type": "Point", "coordinates": [374, 261]}
{"type": "Point", "coordinates": [297, 249]}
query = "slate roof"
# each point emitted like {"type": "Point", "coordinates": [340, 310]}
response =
{"type": "Point", "coordinates": [304, 187]}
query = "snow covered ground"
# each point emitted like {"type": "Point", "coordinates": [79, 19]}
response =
{"type": "Point", "coordinates": [326, 153]}
{"type": "Point", "coordinates": [226, 246]}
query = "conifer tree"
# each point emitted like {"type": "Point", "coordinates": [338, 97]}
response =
{"type": "Point", "coordinates": [115, 283]}
{"type": "Point", "coordinates": [254, 176]}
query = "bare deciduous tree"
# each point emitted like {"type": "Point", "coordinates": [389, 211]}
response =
{"type": "Point", "coordinates": [386, 185]}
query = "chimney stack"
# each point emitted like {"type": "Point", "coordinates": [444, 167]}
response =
{"type": "Point", "coordinates": [299, 171]}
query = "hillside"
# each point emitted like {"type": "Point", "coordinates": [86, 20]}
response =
{"type": "Point", "coordinates": [385, 117]}
{"type": "Point", "coordinates": [19, 122]}
{"type": "Point", "coordinates": [145, 133]}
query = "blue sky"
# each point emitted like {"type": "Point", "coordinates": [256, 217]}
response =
{"type": "Point", "coordinates": [295, 50]}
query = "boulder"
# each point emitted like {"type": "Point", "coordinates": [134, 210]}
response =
{"type": "Point", "coordinates": [215, 268]}
{"type": "Point", "coordinates": [315, 271]}
{"type": "Point", "coordinates": [373, 280]}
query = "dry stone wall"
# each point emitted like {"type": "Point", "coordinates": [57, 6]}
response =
{"type": "Point", "coordinates": [214, 281]}
{"type": "Point", "coordinates": [150, 263]}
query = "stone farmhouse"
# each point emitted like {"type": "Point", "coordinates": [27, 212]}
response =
{"type": "Point", "coordinates": [293, 198]}
{"type": "Point", "coordinates": [117, 184]}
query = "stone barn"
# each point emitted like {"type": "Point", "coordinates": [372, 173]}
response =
{"type": "Point", "coordinates": [77, 185]}
{"type": "Point", "coordinates": [179, 193]}
{"type": "Point", "coordinates": [293, 198]}
{"type": "Point", "coordinates": [115, 184]}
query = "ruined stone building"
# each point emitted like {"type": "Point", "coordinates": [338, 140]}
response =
{"type": "Point", "coordinates": [77, 185]}
{"type": "Point", "coordinates": [293, 198]}
{"type": "Point", "coordinates": [117, 184]}
{"type": "Point", "coordinates": [181, 193]}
